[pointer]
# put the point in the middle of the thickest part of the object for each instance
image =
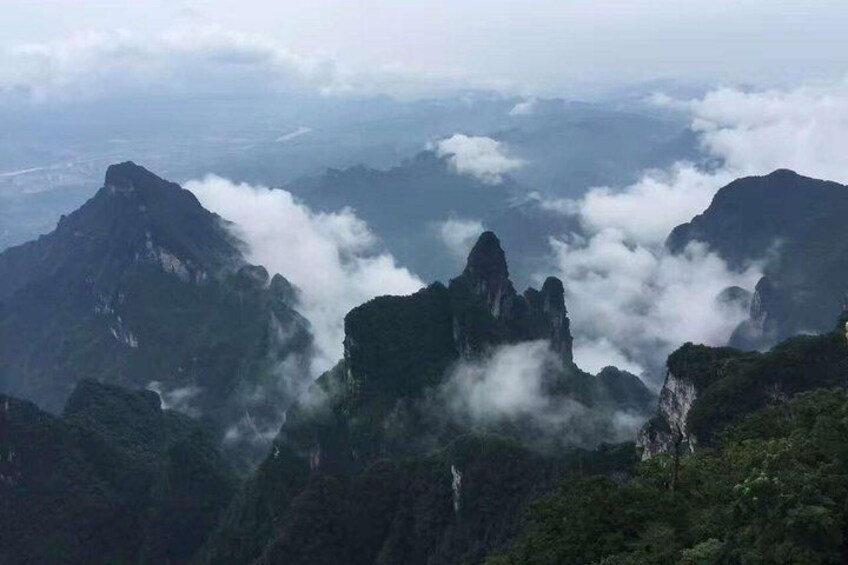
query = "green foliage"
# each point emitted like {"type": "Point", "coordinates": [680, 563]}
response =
{"type": "Point", "coordinates": [775, 490]}
{"type": "Point", "coordinates": [115, 480]}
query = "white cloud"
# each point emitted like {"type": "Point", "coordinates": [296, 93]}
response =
{"type": "Point", "coordinates": [459, 235]}
{"type": "Point", "coordinates": [481, 157]}
{"type": "Point", "coordinates": [592, 355]}
{"type": "Point", "coordinates": [805, 129]}
{"type": "Point", "coordinates": [195, 60]}
{"type": "Point", "coordinates": [637, 303]}
{"type": "Point", "coordinates": [524, 108]}
{"type": "Point", "coordinates": [206, 60]}
{"type": "Point", "coordinates": [181, 399]}
{"type": "Point", "coordinates": [509, 385]}
{"type": "Point", "coordinates": [648, 210]}
{"type": "Point", "coordinates": [506, 385]}
{"type": "Point", "coordinates": [331, 257]}
{"type": "Point", "coordinates": [632, 301]}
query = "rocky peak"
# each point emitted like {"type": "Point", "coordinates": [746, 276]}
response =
{"type": "Point", "coordinates": [552, 299]}
{"type": "Point", "coordinates": [488, 274]}
{"type": "Point", "coordinates": [127, 177]}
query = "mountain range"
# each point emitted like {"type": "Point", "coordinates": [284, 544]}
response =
{"type": "Point", "coordinates": [156, 405]}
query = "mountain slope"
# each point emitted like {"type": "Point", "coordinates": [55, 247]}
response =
{"type": "Point", "coordinates": [796, 226]}
{"type": "Point", "coordinates": [142, 287]}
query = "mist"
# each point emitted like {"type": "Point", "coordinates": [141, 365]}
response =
{"type": "Point", "coordinates": [511, 386]}
{"type": "Point", "coordinates": [333, 259]}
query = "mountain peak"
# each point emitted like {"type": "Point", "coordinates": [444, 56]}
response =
{"type": "Point", "coordinates": [127, 176]}
{"type": "Point", "coordinates": [487, 260]}
{"type": "Point", "coordinates": [783, 173]}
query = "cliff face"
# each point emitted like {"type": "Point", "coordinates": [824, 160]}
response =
{"type": "Point", "coordinates": [667, 431]}
{"type": "Point", "coordinates": [709, 388]}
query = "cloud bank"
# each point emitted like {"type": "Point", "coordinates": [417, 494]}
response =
{"type": "Point", "coordinates": [630, 300]}
{"type": "Point", "coordinates": [480, 157]}
{"type": "Point", "coordinates": [193, 61]}
{"type": "Point", "coordinates": [333, 259]}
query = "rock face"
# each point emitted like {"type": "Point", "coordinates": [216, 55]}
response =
{"type": "Point", "coordinates": [794, 227]}
{"type": "Point", "coordinates": [666, 432]}
{"type": "Point", "coordinates": [143, 285]}
{"type": "Point", "coordinates": [488, 275]}
{"type": "Point", "coordinates": [533, 315]}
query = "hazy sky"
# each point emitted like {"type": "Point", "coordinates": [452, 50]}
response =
{"type": "Point", "coordinates": [545, 46]}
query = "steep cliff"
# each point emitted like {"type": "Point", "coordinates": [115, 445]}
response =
{"type": "Point", "coordinates": [708, 389]}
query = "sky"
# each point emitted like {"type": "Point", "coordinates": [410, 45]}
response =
{"type": "Point", "coordinates": [549, 47]}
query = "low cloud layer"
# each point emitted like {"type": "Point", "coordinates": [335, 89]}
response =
{"type": "Point", "coordinates": [480, 157]}
{"type": "Point", "coordinates": [633, 304]}
{"type": "Point", "coordinates": [509, 387]}
{"type": "Point", "coordinates": [459, 235]}
{"type": "Point", "coordinates": [332, 258]}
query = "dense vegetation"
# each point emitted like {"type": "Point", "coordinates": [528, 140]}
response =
{"type": "Point", "coordinates": [114, 480]}
{"type": "Point", "coordinates": [773, 490]}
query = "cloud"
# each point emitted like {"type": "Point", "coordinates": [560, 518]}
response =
{"type": "Point", "coordinates": [210, 60]}
{"type": "Point", "coordinates": [629, 299]}
{"type": "Point", "coordinates": [804, 129]}
{"type": "Point", "coordinates": [459, 235]}
{"type": "Point", "coordinates": [648, 210]}
{"type": "Point", "coordinates": [510, 386]}
{"type": "Point", "coordinates": [524, 108]}
{"type": "Point", "coordinates": [637, 303]}
{"type": "Point", "coordinates": [506, 385]}
{"type": "Point", "coordinates": [332, 258]}
{"type": "Point", "coordinates": [480, 157]}
{"type": "Point", "coordinates": [191, 61]}
{"type": "Point", "coordinates": [595, 354]}
{"type": "Point", "coordinates": [180, 399]}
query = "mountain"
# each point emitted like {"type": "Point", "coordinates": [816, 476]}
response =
{"type": "Point", "coordinates": [114, 479]}
{"type": "Point", "coordinates": [383, 463]}
{"type": "Point", "coordinates": [143, 287]}
{"type": "Point", "coordinates": [794, 226]}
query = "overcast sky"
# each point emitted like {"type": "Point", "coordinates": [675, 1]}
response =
{"type": "Point", "coordinates": [544, 46]}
